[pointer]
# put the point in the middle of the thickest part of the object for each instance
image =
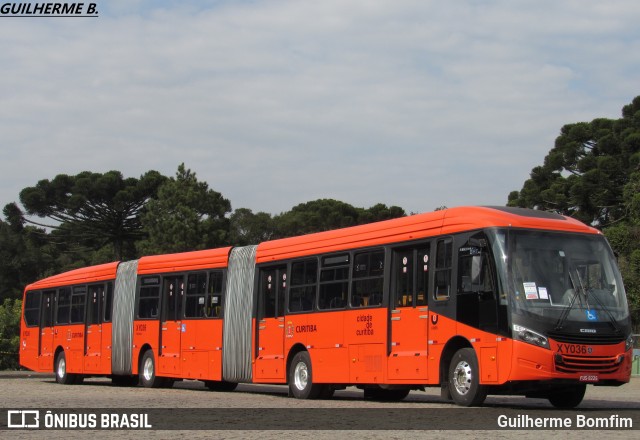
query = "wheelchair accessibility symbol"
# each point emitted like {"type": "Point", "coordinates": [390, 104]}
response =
{"type": "Point", "coordinates": [591, 315]}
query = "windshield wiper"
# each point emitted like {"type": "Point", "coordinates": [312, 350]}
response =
{"type": "Point", "coordinates": [566, 310]}
{"type": "Point", "coordinates": [579, 288]}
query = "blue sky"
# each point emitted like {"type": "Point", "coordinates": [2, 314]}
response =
{"type": "Point", "coordinates": [273, 103]}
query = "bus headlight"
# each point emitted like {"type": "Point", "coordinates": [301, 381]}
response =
{"type": "Point", "coordinates": [529, 336]}
{"type": "Point", "coordinates": [629, 343]}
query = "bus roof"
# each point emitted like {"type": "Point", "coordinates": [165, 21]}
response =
{"type": "Point", "coordinates": [413, 227]}
{"type": "Point", "coordinates": [89, 274]}
{"type": "Point", "coordinates": [185, 261]}
{"type": "Point", "coordinates": [447, 221]}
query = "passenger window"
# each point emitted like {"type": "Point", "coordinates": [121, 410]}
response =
{"type": "Point", "coordinates": [304, 282]}
{"type": "Point", "coordinates": [149, 301]}
{"type": "Point", "coordinates": [334, 282]}
{"type": "Point", "coordinates": [214, 294]}
{"type": "Point", "coordinates": [368, 277]}
{"type": "Point", "coordinates": [196, 303]}
{"type": "Point", "coordinates": [78, 299]}
{"type": "Point", "coordinates": [63, 305]}
{"type": "Point", "coordinates": [32, 309]}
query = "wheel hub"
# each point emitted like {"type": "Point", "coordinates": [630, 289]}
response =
{"type": "Point", "coordinates": [462, 376]}
{"type": "Point", "coordinates": [62, 368]}
{"type": "Point", "coordinates": [148, 369]}
{"type": "Point", "coordinates": [301, 376]}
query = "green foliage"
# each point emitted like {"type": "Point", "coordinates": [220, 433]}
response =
{"type": "Point", "coordinates": [593, 174]}
{"type": "Point", "coordinates": [24, 257]}
{"type": "Point", "coordinates": [625, 241]}
{"type": "Point", "coordinates": [92, 209]}
{"type": "Point", "coordinates": [246, 228]}
{"type": "Point", "coordinates": [185, 216]}
{"type": "Point", "coordinates": [589, 171]}
{"type": "Point", "coordinates": [10, 312]}
{"type": "Point", "coordinates": [326, 214]}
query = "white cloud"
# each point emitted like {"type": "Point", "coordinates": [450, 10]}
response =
{"type": "Point", "coordinates": [274, 103]}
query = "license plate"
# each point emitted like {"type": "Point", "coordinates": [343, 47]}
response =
{"type": "Point", "coordinates": [575, 349]}
{"type": "Point", "coordinates": [589, 378]}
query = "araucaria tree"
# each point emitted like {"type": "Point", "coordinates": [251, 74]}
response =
{"type": "Point", "coordinates": [92, 209]}
{"type": "Point", "coordinates": [587, 171]}
{"type": "Point", "coordinates": [185, 216]}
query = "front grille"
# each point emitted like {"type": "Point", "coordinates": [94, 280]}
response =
{"type": "Point", "coordinates": [580, 364]}
{"type": "Point", "coordinates": [587, 338]}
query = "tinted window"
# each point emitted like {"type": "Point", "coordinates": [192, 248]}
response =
{"type": "Point", "coordinates": [63, 305]}
{"type": "Point", "coordinates": [32, 309]}
{"type": "Point", "coordinates": [149, 301]}
{"type": "Point", "coordinates": [444, 254]}
{"type": "Point", "coordinates": [78, 299]}
{"type": "Point", "coordinates": [368, 272]}
{"type": "Point", "coordinates": [304, 281]}
{"type": "Point", "coordinates": [196, 303]}
{"type": "Point", "coordinates": [334, 282]}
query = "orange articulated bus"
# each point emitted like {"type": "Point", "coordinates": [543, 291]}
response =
{"type": "Point", "coordinates": [475, 300]}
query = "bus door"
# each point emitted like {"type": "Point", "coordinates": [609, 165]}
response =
{"type": "Point", "coordinates": [442, 303]}
{"type": "Point", "coordinates": [93, 339]}
{"type": "Point", "coordinates": [477, 305]}
{"type": "Point", "coordinates": [171, 325]}
{"type": "Point", "coordinates": [409, 314]}
{"type": "Point", "coordinates": [45, 345]}
{"type": "Point", "coordinates": [270, 361]}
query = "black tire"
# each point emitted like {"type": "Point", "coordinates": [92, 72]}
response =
{"type": "Point", "coordinates": [147, 372]}
{"type": "Point", "coordinates": [464, 379]}
{"type": "Point", "coordinates": [215, 385]}
{"type": "Point", "coordinates": [301, 384]}
{"type": "Point", "coordinates": [567, 398]}
{"type": "Point", "coordinates": [60, 369]}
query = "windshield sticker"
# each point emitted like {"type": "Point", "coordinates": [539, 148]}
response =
{"type": "Point", "coordinates": [591, 315]}
{"type": "Point", "coordinates": [530, 290]}
{"type": "Point", "coordinates": [542, 291]}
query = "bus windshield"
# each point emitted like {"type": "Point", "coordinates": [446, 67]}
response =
{"type": "Point", "coordinates": [560, 277]}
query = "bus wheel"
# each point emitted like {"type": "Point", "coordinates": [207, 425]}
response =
{"type": "Point", "coordinates": [215, 385]}
{"type": "Point", "coordinates": [301, 383]}
{"type": "Point", "coordinates": [61, 371]}
{"type": "Point", "coordinates": [567, 397]}
{"type": "Point", "coordinates": [148, 376]}
{"type": "Point", "coordinates": [464, 379]}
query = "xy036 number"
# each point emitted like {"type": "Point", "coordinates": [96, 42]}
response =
{"type": "Point", "coordinates": [574, 349]}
